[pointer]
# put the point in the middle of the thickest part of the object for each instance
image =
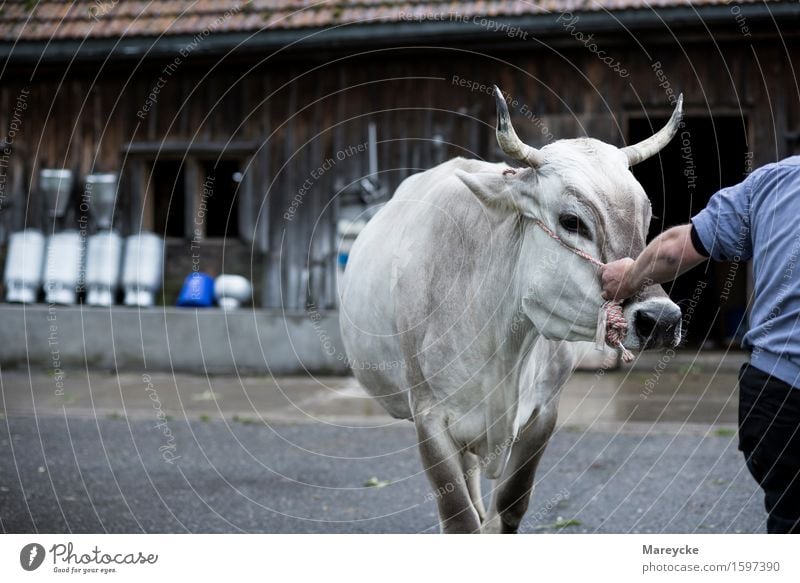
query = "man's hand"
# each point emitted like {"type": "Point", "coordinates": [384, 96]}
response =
{"type": "Point", "coordinates": [615, 278]}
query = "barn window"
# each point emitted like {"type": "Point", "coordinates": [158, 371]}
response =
{"type": "Point", "coordinates": [185, 190]}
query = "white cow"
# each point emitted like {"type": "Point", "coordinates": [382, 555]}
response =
{"type": "Point", "coordinates": [458, 308]}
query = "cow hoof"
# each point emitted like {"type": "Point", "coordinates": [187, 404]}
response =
{"type": "Point", "coordinates": [507, 529]}
{"type": "Point", "coordinates": [492, 525]}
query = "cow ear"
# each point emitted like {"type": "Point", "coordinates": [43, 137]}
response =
{"type": "Point", "coordinates": [491, 188]}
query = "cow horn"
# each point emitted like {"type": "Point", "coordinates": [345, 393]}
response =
{"type": "Point", "coordinates": [653, 145]}
{"type": "Point", "coordinates": [507, 137]}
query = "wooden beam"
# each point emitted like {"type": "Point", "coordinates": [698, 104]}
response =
{"type": "Point", "coordinates": [179, 149]}
{"type": "Point", "coordinates": [192, 196]}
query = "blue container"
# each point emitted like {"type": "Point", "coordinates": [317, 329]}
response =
{"type": "Point", "coordinates": [197, 291]}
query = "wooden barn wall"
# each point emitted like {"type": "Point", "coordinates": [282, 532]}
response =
{"type": "Point", "coordinates": [302, 113]}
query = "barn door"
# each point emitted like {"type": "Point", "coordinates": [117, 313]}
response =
{"type": "Point", "coordinates": [707, 154]}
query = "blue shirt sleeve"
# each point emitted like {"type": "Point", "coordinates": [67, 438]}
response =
{"type": "Point", "coordinates": [724, 225]}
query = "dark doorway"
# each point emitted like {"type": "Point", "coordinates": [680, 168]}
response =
{"type": "Point", "coordinates": [709, 153]}
{"type": "Point", "coordinates": [167, 185]}
{"type": "Point", "coordinates": [222, 179]}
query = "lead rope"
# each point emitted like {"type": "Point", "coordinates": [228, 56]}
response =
{"type": "Point", "coordinates": [611, 324]}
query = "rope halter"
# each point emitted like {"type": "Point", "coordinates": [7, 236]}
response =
{"type": "Point", "coordinates": [611, 324]}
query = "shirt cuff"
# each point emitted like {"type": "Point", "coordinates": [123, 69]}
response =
{"type": "Point", "coordinates": [698, 244]}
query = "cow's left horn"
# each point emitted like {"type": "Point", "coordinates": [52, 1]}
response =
{"type": "Point", "coordinates": [507, 137]}
{"type": "Point", "coordinates": [653, 145]}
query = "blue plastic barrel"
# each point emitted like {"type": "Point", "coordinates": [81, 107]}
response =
{"type": "Point", "coordinates": [197, 291]}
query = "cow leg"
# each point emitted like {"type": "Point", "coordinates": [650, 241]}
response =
{"type": "Point", "coordinates": [513, 491]}
{"type": "Point", "coordinates": [441, 458]}
{"type": "Point", "coordinates": [472, 474]}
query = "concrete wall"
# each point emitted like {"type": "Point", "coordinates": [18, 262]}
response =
{"type": "Point", "coordinates": [165, 339]}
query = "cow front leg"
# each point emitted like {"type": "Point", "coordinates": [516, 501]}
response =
{"type": "Point", "coordinates": [472, 474]}
{"type": "Point", "coordinates": [441, 459]}
{"type": "Point", "coordinates": [513, 491]}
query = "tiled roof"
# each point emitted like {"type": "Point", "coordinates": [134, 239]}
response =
{"type": "Point", "coordinates": [48, 19]}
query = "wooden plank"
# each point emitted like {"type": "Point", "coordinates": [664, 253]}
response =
{"type": "Point", "coordinates": [244, 193]}
{"type": "Point", "coordinates": [293, 265]}
{"type": "Point", "coordinates": [140, 201]}
{"type": "Point", "coordinates": [192, 197]}
{"type": "Point", "coordinates": [180, 148]}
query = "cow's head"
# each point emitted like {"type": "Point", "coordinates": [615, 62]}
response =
{"type": "Point", "coordinates": [584, 191]}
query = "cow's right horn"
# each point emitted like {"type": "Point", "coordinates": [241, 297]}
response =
{"type": "Point", "coordinates": [507, 137]}
{"type": "Point", "coordinates": [655, 143]}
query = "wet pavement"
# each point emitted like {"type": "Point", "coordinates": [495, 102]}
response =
{"type": "Point", "coordinates": [650, 448]}
{"type": "Point", "coordinates": [689, 393]}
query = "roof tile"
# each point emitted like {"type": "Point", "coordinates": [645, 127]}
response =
{"type": "Point", "coordinates": [51, 19]}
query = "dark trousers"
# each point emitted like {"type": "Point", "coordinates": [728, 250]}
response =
{"type": "Point", "coordinates": [769, 437]}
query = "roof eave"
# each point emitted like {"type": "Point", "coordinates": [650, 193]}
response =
{"type": "Point", "coordinates": [391, 33]}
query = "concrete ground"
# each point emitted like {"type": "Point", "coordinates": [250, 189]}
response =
{"type": "Point", "coordinates": [651, 448]}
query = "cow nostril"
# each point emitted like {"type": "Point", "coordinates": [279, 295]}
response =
{"type": "Point", "coordinates": [657, 325]}
{"type": "Point", "coordinates": [645, 323]}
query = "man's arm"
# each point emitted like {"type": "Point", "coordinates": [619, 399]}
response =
{"type": "Point", "coordinates": [666, 257]}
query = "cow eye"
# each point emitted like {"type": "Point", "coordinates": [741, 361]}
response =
{"type": "Point", "coordinates": [574, 224]}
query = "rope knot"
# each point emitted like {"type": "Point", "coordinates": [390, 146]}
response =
{"type": "Point", "coordinates": [612, 328]}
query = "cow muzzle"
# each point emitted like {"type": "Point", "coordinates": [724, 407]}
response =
{"type": "Point", "coordinates": [653, 323]}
